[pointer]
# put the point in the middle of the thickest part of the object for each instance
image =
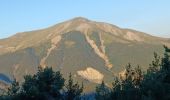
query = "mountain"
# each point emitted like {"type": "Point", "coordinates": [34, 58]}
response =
{"type": "Point", "coordinates": [91, 51]}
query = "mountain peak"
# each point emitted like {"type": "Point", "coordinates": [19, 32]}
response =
{"type": "Point", "coordinates": [93, 51]}
{"type": "Point", "coordinates": [80, 19]}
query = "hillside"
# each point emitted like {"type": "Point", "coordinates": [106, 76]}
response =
{"type": "Point", "coordinates": [91, 51]}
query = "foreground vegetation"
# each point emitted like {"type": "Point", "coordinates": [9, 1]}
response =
{"type": "Point", "coordinates": [44, 85]}
{"type": "Point", "coordinates": [134, 84]}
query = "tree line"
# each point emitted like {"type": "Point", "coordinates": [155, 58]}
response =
{"type": "Point", "coordinates": [154, 84]}
{"type": "Point", "coordinates": [134, 84]}
{"type": "Point", "coordinates": [44, 85]}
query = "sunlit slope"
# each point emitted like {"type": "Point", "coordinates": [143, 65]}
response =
{"type": "Point", "coordinates": [91, 51]}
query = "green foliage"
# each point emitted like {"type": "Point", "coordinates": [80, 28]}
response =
{"type": "Point", "coordinates": [102, 92]}
{"type": "Point", "coordinates": [155, 66]}
{"type": "Point", "coordinates": [44, 85]}
{"type": "Point", "coordinates": [14, 89]}
{"type": "Point", "coordinates": [73, 91]}
{"type": "Point", "coordinates": [166, 60]}
{"type": "Point", "coordinates": [12, 93]}
{"type": "Point", "coordinates": [128, 88]}
{"type": "Point", "coordinates": [156, 83]}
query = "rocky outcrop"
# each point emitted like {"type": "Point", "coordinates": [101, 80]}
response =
{"type": "Point", "coordinates": [91, 75]}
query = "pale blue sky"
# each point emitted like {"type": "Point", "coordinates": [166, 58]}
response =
{"type": "Point", "coordinates": [151, 16]}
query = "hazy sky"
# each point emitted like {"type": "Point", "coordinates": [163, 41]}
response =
{"type": "Point", "coordinates": [151, 16]}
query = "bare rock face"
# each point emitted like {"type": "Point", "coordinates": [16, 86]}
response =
{"type": "Point", "coordinates": [91, 74]}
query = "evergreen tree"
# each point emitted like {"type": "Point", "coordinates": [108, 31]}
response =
{"type": "Point", "coordinates": [44, 85]}
{"type": "Point", "coordinates": [128, 88]}
{"type": "Point", "coordinates": [49, 82]}
{"type": "Point", "coordinates": [166, 60]}
{"type": "Point", "coordinates": [138, 77]}
{"type": "Point", "coordinates": [155, 65]}
{"type": "Point", "coordinates": [73, 91]}
{"type": "Point", "coordinates": [13, 90]}
{"type": "Point", "coordinates": [156, 83]}
{"type": "Point", "coordinates": [30, 89]}
{"type": "Point", "coordinates": [102, 92]}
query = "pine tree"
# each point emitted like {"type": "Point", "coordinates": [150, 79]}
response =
{"type": "Point", "coordinates": [49, 82]}
{"type": "Point", "coordinates": [128, 88]}
{"type": "Point", "coordinates": [155, 66]}
{"type": "Point", "coordinates": [14, 88]}
{"type": "Point", "coordinates": [166, 60]}
{"type": "Point", "coordinates": [73, 91]}
{"type": "Point", "coordinates": [13, 91]}
{"type": "Point", "coordinates": [102, 92]}
{"type": "Point", "coordinates": [156, 83]}
{"type": "Point", "coordinates": [44, 85]}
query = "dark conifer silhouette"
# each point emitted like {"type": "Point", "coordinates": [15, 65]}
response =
{"type": "Point", "coordinates": [73, 90]}
{"type": "Point", "coordinates": [102, 92]}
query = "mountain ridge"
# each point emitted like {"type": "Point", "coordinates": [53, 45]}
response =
{"type": "Point", "coordinates": [80, 46]}
{"type": "Point", "coordinates": [83, 19]}
{"type": "Point", "coordinates": [87, 25]}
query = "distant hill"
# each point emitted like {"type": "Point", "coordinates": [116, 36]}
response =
{"type": "Point", "coordinates": [91, 51]}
